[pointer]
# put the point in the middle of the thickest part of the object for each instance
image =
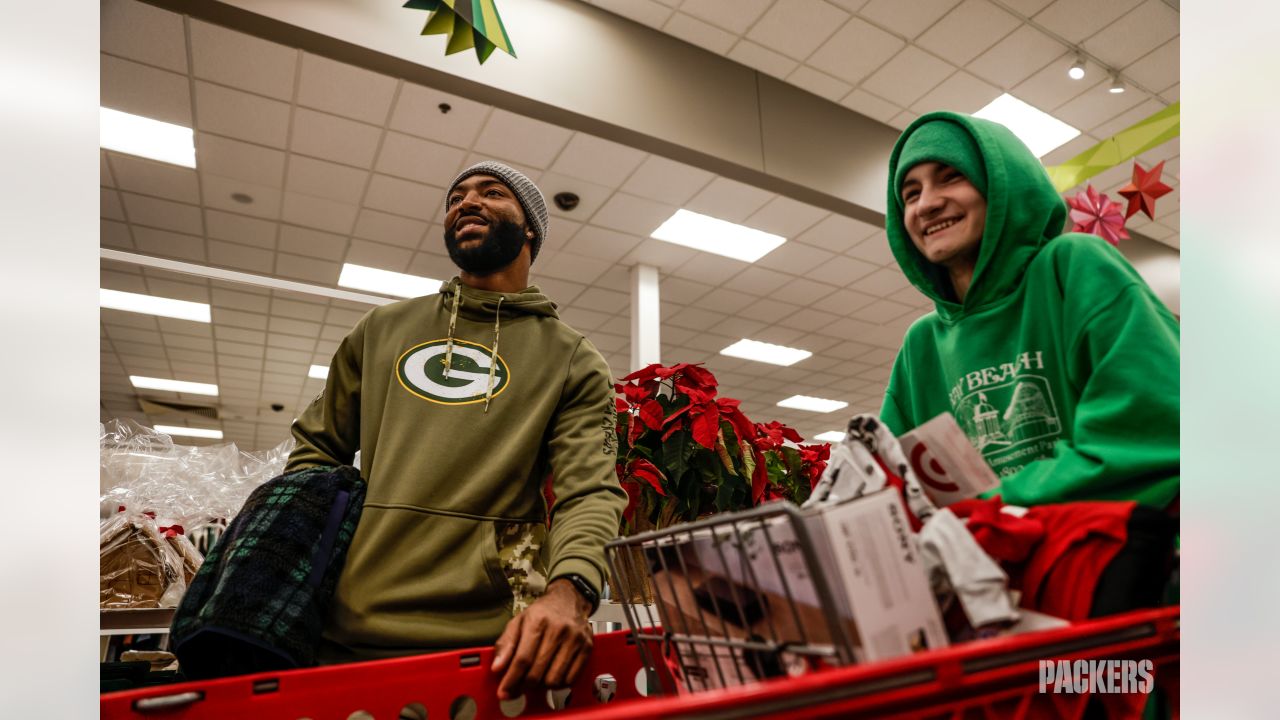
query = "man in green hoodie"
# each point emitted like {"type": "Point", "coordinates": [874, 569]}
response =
{"type": "Point", "coordinates": [1051, 352]}
{"type": "Point", "coordinates": [457, 436]}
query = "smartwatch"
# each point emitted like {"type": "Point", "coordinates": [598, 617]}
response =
{"type": "Point", "coordinates": [584, 589]}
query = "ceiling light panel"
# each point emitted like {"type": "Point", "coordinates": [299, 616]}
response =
{"type": "Point", "coordinates": [359, 277]}
{"type": "Point", "coordinates": [812, 404]}
{"type": "Point", "coordinates": [189, 431]}
{"type": "Point", "coordinates": [152, 305]}
{"type": "Point", "coordinates": [1039, 131]}
{"type": "Point", "coordinates": [830, 436]}
{"type": "Point", "coordinates": [319, 372]}
{"type": "Point", "coordinates": [182, 386]}
{"type": "Point", "coordinates": [144, 137]}
{"type": "Point", "coordinates": [766, 352]}
{"type": "Point", "coordinates": [708, 234]}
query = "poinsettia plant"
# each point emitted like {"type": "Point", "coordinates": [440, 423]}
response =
{"type": "Point", "coordinates": [684, 452]}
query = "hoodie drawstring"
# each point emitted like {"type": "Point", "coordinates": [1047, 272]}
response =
{"type": "Point", "coordinates": [493, 358]}
{"type": "Point", "coordinates": [453, 320]}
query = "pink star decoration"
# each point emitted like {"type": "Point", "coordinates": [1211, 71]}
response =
{"type": "Point", "coordinates": [1144, 189]}
{"type": "Point", "coordinates": [1097, 214]}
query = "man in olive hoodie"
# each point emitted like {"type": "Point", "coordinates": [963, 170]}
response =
{"type": "Point", "coordinates": [1055, 357]}
{"type": "Point", "coordinates": [461, 404]}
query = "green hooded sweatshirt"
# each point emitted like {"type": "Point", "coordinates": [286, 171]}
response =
{"type": "Point", "coordinates": [453, 539]}
{"type": "Point", "coordinates": [1060, 364]}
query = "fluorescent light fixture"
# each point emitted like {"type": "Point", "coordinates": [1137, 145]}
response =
{"type": "Point", "coordinates": [1117, 86]}
{"type": "Point", "coordinates": [1077, 68]}
{"type": "Point", "coordinates": [152, 305]}
{"type": "Point", "coordinates": [1040, 131]}
{"type": "Point", "coordinates": [190, 432]}
{"type": "Point", "coordinates": [319, 372]}
{"type": "Point", "coordinates": [702, 232]}
{"type": "Point", "coordinates": [812, 404]}
{"type": "Point", "coordinates": [830, 436]}
{"type": "Point", "coordinates": [182, 386]}
{"type": "Point", "coordinates": [359, 277]}
{"type": "Point", "coordinates": [144, 137]}
{"type": "Point", "coordinates": [765, 352]}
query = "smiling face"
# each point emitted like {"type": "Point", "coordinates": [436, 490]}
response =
{"type": "Point", "coordinates": [944, 214]}
{"type": "Point", "coordinates": [485, 227]}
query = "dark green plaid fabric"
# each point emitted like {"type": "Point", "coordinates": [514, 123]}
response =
{"type": "Point", "coordinates": [260, 599]}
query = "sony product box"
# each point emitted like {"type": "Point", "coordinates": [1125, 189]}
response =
{"type": "Point", "coordinates": [949, 468]}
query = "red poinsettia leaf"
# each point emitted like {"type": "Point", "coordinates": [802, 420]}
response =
{"type": "Point", "coordinates": [634, 430]}
{"type": "Point", "coordinates": [651, 414]}
{"type": "Point", "coordinates": [648, 472]}
{"type": "Point", "coordinates": [647, 372]}
{"type": "Point", "coordinates": [621, 405]}
{"type": "Point", "coordinates": [791, 434]}
{"type": "Point", "coordinates": [637, 394]}
{"type": "Point", "coordinates": [701, 377]}
{"type": "Point", "coordinates": [697, 395]}
{"type": "Point", "coordinates": [705, 426]}
{"type": "Point", "coordinates": [632, 489]}
{"type": "Point", "coordinates": [673, 428]}
{"type": "Point", "coordinates": [759, 479]}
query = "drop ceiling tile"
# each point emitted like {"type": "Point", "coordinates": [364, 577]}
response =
{"type": "Point", "coordinates": [911, 297]}
{"type": "Point", "coordinates": [239, 160]}
{"type": "Point", "coordinates": [403, 197]}
{"type": "Point", "coordinates": [786, 217]}
{"type": "Point", "coordinates": [116, 235]}
{"type": "Point", "coordinates": [882, 311]}
{"type": "Point", "coordinates": [693, 318]}
{"type": "Point", "coordinates": [327, 180]}
{"type": "Point", "coordinates": [163, 214]}
{"type": "Point", "coordinates": [598, 161]}
{"type": "Point", "coordinates": [1071, 149]}
{"type": "Point", "coordinates": [309, 269]}
{"type": "Point", "coordinates": [312, 243]}
{"type": "Point", "coordinates": [728, 200]}
{"type": "Point", "coordinates": [435, 265]}
{"type": "Point", "coordinates": [602, 243]}
{"type": "Point", "coordinates": [1018, 55]}
{"type": "Point", "coordinates": [240, 257]}
{"type": "Point", "coordinates": [1097, 105]}
{"type": "Point", "coordinates": [144, 33]}
{"type": "Point", "coordinates": [333, 138]}
{"type": "Point", "coordinates": [970, 29]}
{"type": "Point", "coordinates": [581, 319]}
{"type": "Point", "coordinates": [732, 15]}
{"type": "Point", "coordinates": [725, 301]}
{"type": "Point", "coordinates": [797, 27]}
{"type": "Point", "coordinates": [1145, 28]}
{"type": "Point", "coordinates": [819, 83]}
{"type": "Point", "coordinates": [602, 300]}
{"type": "Point", "coordinates": [856, 50]}
{"type": "Point", "coordinates": [852, 6]}
{"type": "Point", "coordinates": [144, 90]}
{"type": "Point", "coordinates": [240, 335]}
{"type": "Point", "coordinates": [288, 326]}
{"type": "Point", "coordinates": [699, 33]}
{"type": "Point", "coordinates": [780, 335]}
{"type": "Point", "coordinates": [232, 360]}
{"type": "Point", "coordinates": [419, 160]}
{"type": "Point", "coordinates": [1124, 120]}
{"type": "Point", "coordinates": [631, 214]}
{"type": "Point", "coordinates": [241, 115]}
{"type": "Point", "coordinates": [345, 89]}
{"type": "Point", "coordinates": [590, 198]}
{"type": "Point", "coordinates": [803, 292]}
{"type": "Point", "coordinates": [1171, 95]}
{"type": "Point", "coordinates": [1075, 20]}
{"type": "Point", "coordinates": [224, 318]}
{"type": "Point", "coordinates": [240, 229]}
{"type": "Point", "coordinates": [345, 318]}
{"type": "Point", "coordinates": [909, 75]}
{"type": "Point", "coordinates": [906, 19]}
{"type": "Point", "coordinates": [961, 92]}
{"type": "Point", "coordinates": [561, 292]}
{"type": "Point", "coordinates": [169, 244]}
{"type": "Point", "coordinates": [665, 256]}
{"type": "Point", "coordinates": [110, 206]}
{"type": "Point", "coordinates": [391, 229]}
{"type": "Point", "coordinates": [740, 326]}
{"type": "Point", "coordinates": [417, 112]}
{"type": "Point", "coordinates": [837, 233]}
{"type": "Point", "coordinates": [318, 213]}
{"type": "Point", "coordinates": [1158, 69]}
{"type": "Point", "coordinates": [756, 280]}
{"type": "Point", "coordinates": [522, 139]}
{"type": "Point", "coordinates": [190, 292]}
{"type": "Point", "coordinates": [242, 61]}
{"type": "Point", "coordinates": [758, 57]}
{"type": "Point", "coordinates": [236, 300]}
{"type": "Point", "coordinates": [840, 270]}
{"type": "Point", "coordinates": [668, 181]}
{"type": "Point", "coordinates": [311, 310]}
{"type": "Point", "coordinates": [648, 12]}
{"type": "Point", "coordinates": [881, 282]}
{"type": "Point", "coordinates": [796, 258]}
{"type": "Point", "coordinates": [384, 257]}
{"type": "Point", "coordinates": [1026, 8]}
{"type": "Point", "coordinates": [189, 342]}
{"type": "Point", "coordinates": [1050, 88]}
{"type": "Point", "coordinates": [218, 191]}
{"type": "Point", "coordinates": [710, 269]}
{"type": "Point", "coordinates": [569, 266]}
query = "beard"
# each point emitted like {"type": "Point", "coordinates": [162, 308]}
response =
{"type": "Point", "coordinates": [499, 248]}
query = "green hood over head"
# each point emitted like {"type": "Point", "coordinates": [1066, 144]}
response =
{"type": "Point", "coordinates": [1023, 210]}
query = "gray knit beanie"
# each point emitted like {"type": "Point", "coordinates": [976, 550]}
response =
{"type": "Point", "coordinates": [530, 197]}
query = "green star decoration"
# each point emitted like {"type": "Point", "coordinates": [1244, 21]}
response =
{"type": "Point", "coordinates": [467, 24]}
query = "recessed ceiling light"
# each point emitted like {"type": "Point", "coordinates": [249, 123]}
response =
{"type": "Point", "coordinates": [1040, 131]}
{"type": "Point", "coordinates": [812, 404]}
{"type": "Point", "coordinates": [1077, 68]}
{"type": "Point", "coordinates": [1117, 86]}
{"type": "Point", "coordinates": [359, 277]}
{"type": "Point", "coordinates": [830, 436]}
{"type": "Point", "coordinates": [144, 137]}
{"type": "Point", "coordinates": [189, 431]}
{"type": "Point", "coordinates": [152, 305]}
{"type": "Point", "coordinates": [182, 386]}
{"type": "Point", "coordinates": [765, 352]}
{"type": "Point", "coordinates": [702, 232]}
{"type": "Point", "coordinates": [319, 372]}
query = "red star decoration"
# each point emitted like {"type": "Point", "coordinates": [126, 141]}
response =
{"type": "Point", "coordinates": [1144, 189]}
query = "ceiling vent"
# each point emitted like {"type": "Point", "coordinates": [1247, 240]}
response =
{"type": "Point", "coordinates": [162, 407]}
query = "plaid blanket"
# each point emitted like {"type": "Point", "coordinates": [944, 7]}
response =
{"type": "Point", "coordinates": [260, 599]}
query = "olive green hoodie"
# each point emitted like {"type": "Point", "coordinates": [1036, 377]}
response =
{"type": "Point", "coordinates": [1060, 364]}
{"type": "Point", "coordinates": [453, 538]}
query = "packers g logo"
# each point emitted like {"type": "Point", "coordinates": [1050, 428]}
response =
{"type": "Point", "coordinates": [421, 371]}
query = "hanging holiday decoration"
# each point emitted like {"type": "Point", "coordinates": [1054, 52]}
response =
{"type": "Point", "coordinates": [1142, 136]}
{"type": "Point", "coordinates": [467, 24]}
{"type": "Point", "coordinates": [1144, 189]}
{"type": "Point", "coordinates": [1097, 214]}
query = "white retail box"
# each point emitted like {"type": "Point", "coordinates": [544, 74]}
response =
{"type": "Point", "coordinates": [949, 468]}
